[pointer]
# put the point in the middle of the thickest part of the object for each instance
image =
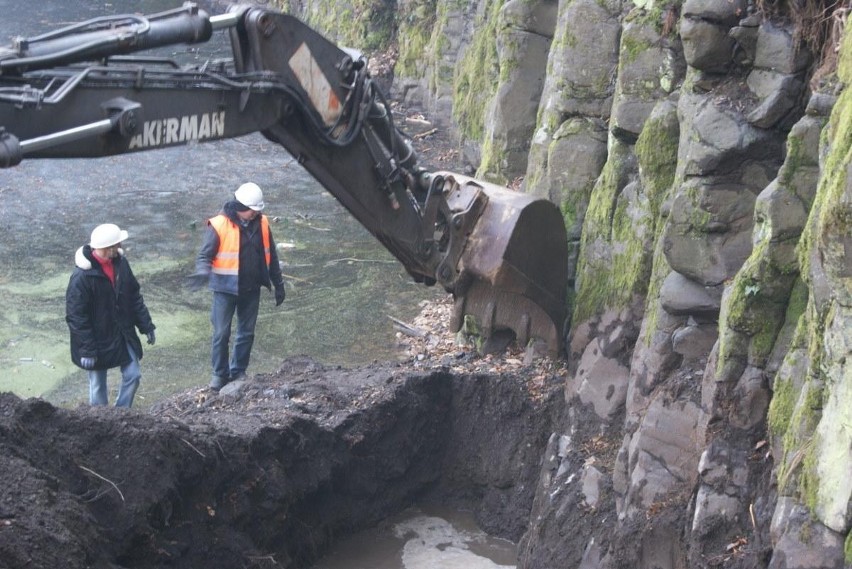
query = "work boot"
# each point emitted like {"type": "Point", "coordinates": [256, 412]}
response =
{"type": "Point", "coordinates": [239, 376]}
{"type": "Point", "coordinates": [218, 383]}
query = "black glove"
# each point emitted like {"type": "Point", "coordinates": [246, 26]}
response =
{"type": "Point", "coordinates": [279, 295]}
{"type": "Point", "coordinates": [88, 363]}
{"type": "Point", "coordinates": [196, 281]}
{"type": "Point", "coordinates": [151, 337]}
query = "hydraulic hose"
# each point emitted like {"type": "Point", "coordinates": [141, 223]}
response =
{"type": "Point", "coordinates": [100, 38]}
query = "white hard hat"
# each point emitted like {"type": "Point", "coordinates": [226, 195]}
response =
{"type": "Point", "coordinates": [251, 196]}
{"type": "Point", "coordinates": [106, 235]}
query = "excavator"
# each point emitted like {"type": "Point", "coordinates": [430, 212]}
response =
{"type": "Point", "coordinates": [89, 90]}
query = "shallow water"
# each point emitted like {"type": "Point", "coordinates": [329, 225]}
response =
{"type": "Point", "coordinates": [422, 539]}
{"type": "Point", "coordinates": [341, 284]}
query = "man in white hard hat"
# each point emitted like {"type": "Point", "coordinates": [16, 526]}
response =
{"type": "Point", "coordinates": [237, 258]}
{"type": "Point", "coordinates": [103, 309]}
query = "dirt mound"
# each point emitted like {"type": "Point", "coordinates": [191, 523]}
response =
{"type": "Point", "coordinates": [269, 471]}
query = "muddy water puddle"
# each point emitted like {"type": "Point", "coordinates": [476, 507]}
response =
{"type": "Point", "coordinates": [422, 539]}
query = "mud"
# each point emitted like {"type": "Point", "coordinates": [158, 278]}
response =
{"type": "Point", "coordinates": [422, 537]}
{"type": "Point", "coordinates": [268, 473]}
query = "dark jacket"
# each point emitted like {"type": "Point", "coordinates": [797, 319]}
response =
{"type": "Point", "coordinates": [102, 319]}
{"type": "Point", "coordinates": [254, 272]}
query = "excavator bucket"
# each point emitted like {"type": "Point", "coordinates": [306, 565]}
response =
{"type": "Point", "coordinates": [512, 273]}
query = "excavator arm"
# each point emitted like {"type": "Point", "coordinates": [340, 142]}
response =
{"type": "Point", "coordinates": [77, 92]}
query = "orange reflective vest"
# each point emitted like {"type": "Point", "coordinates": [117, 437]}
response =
{"type": "Point", "coordinates": [226, 263]}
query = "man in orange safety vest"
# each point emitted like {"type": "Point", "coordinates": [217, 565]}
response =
{"type": "Point", "coordinates": [237, 258]}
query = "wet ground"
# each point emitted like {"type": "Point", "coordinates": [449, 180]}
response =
{"type": "Point", "coordinates": [422, 538]}
{"type": "Point", "coordinates": [277, 470]}
{"type": "Point", "coordinates": [341, 285]}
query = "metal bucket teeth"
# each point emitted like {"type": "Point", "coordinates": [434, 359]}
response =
{"type": "Point", "coordinates": [496, 310]}
{"type": "Point", "coordinates": [513, 271]}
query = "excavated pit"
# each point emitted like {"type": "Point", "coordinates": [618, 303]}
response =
{"type": "Point", "coordinates": [268, 473]}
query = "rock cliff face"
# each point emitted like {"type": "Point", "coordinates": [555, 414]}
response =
{"type": "Point", "coordinates": [700, 153]}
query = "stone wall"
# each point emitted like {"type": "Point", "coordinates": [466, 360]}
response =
{"type": "Point", "coordinates": [732, 395]}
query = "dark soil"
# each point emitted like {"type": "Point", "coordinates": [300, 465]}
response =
{"type": "Point", "coordinates": [269, 472]}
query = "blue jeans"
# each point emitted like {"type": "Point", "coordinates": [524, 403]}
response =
{"type": "Point", "coordinates": [130, 376]}
{"type": "Point", "coordinates": [224, 305]}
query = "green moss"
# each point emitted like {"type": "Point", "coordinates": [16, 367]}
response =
{"type": "Point", "coordinates": [844, 66]}
{"type": "Point", "coordinates": [798, 302]}
{"type": "Point", "coordinates": [816, 334]}
{"type": "Point", "coordinates": [490, 165]}
{"type": "Point", "coordinates": [511, 48]}
{"type": "Point", "coordinates": [833, 180]}
{"type": "Point", "coordinates": [367, 25]}
{"type": "Point", "coordinates": [570, 40]}
{"type": "Point", "coordinates": [784, 396]}
{"type": "Point", "coordinates": [631, 256]}
{"type": "Point", "coordinates": [631, 48]}
{"type": "Point", "coordinates": [612, 282]}
{"type": "Point", "coordinates": [781, 407]}
{"type": "Point", "coordinates": [814, 400]}
{"type": "Point", "coordinates": [475, 80]}
{"type": "Point", "coordinates": [662, 16]}
{"type": "Point", "coordinates": [763, 342]}
{"type": "Point", "coordinates": [470, 333]}
{"type": "Point", "coordinates": [494, 151]}
{"type": "Point", "coordinates": [801, 336]}
{"type": "Point", "coordinates": [609, 184]}
{"type": "Point", "coordinates": [729, 336]}
{"type": "Point", "coordinates": [656, 150]}
{"type": "Point", "coordinates": [795, 159]}
{"type": "Point", "coordinates": [569, 212]}
{"type": "Point", "coordinates": [799, 439]}
{"type": "Point", "coordinates": [847, 549]}
{"type": "Point", "coordinates": [417, 21]}
{"type": "Point", "coordinates": [699, 219]}
{"type": "Point", "coordinates": [758, 305]}
{"type": "Point", "coordinates": [809, 479]}
{"type": "Point", "coordinates": [534, 178]}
